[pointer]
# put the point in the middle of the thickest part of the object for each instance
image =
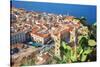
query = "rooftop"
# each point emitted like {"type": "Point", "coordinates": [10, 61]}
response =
{"type": "Point", "coordinates": [42, 24]}
{"type": "Point", "coordinates": [39, 30]}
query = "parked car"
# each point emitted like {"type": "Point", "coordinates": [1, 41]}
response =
{"type": "Point", "coordinates": [35, 44]}
{"type": "Point", "coordinates": [14, 50]}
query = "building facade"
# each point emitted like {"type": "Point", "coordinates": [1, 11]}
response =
{"type": "Point", "coordinates": [17, 38]}
{"type": "Point", "coordinates": [40, 35]}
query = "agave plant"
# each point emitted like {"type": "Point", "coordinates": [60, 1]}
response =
{"type": "Point", "coordinates": [68, 53]}
{"type": "Point", "coordinates": [84, 49]}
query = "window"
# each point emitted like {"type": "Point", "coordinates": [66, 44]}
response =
{"type": "Point", "coordinates": [57, 45]}
{"type": "Point", "coordinates": [57, 52]}
{"type": "Point", "coordinates": [72, 37]}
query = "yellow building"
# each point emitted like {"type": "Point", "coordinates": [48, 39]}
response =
{"type": "Point", "coordinates": [57, 39]}
{"type": "Point", "coordinates": [58, 34]}
{"type": "Point", "coordinates": [72, 35]}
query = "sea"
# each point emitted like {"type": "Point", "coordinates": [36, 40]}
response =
{"type": "Point", "coordinates": [77, 10]}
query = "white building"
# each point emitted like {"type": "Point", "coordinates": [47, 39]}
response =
{"type": "Point", "coordinates": [18, 37]}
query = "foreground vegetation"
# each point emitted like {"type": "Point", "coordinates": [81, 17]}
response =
{"type": "Point", "coordinates": [84, 51]}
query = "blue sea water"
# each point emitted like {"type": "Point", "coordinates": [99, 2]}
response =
{"type": "Point", "coordinates": [88, 11]}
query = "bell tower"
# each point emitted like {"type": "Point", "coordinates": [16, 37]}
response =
{"type": "Point", "coordinates": [57, 39]}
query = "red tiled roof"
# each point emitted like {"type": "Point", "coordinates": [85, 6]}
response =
{"type": "Point", "coordinates": [35, 31]}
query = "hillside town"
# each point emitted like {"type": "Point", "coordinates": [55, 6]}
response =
{"type": "Point", "coordinates": [37, 37]}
